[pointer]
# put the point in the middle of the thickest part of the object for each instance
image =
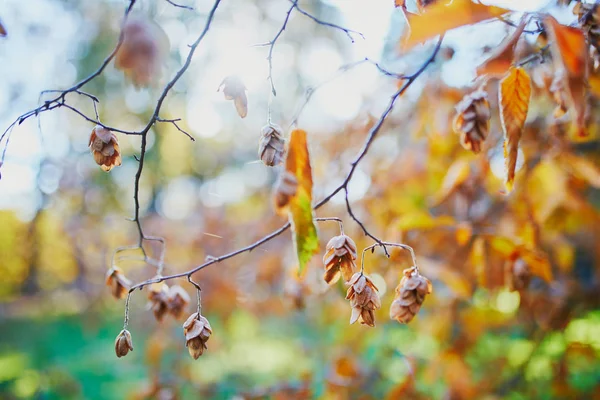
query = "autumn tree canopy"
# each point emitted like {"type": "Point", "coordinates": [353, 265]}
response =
{"type": "Point", "coordinates": [299, 199]}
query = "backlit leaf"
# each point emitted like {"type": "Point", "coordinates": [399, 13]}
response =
{"type": "Point", "coordinates": [300, 205]}
{"type": "Point", "coordinates": [502, 58]}
{"type": "Point", "coordinates": [457, 174]}
{"type": "Point", "coordinates": [570, 53]}
{"type": "Point", "coordinates": [582, 168]}
{"type": "Point", "coordinates": [441, 17]}
{"type": "Point", "coordinates": [514, 94]}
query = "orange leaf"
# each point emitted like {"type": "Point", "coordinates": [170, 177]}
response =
{"type": "Point", "coordinates": [570, 52]}
{"type": "Point", "coordinates": [441, 17]}
{"type": "Point", "coordinates": [514, 93]}
{"type": "Point", "coordinates": [538, 264]}
{"type": "Point", "coordinates": [502, 58]}
{"type": "Point", "coordinates": [297, 164]}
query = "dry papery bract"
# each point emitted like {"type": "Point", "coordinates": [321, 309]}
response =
{"type": "Point", "coordinates": [271, 146]}
{"type": "Point", "coordinates": [472, 120]}
{"type": "Point", "coordinates": [364, 299]}
{"type": "Point", "coordinates": [158, 294]}
{"type": "Point", "coordinates": [339, 259]}
{"type": "Point", "coordinates": [105, 148]}
{"type": "Point", "coordinates": [285, 188]}
{"type": "Point", "coordinates": [177, 300]}
{"type": "Point", "coordinates": [197, 331]}
{"type": "Point", "coordinates": [144, 49]}
{"type": "Point", "coordinates": [123, 343]}
{"type": "Point", "coordinates": [118, 283]}
{"type": "Point", "coordinates": [410, 295]}
{"type": "Point", "coordinates": [234, 89]}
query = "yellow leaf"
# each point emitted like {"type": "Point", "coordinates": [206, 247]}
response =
{"type": "Point", "coordinates": [502, 245]}
{"type": "Point", "coordinates": [441, 17]}
{"type": "Point", "coordinates": [570, 53]}
{"type": "Point", "coordinates": [463, 233]}
{"type": "Point", "coordinates": [300, 210]}
{"type": "Point", "coordinates": [514, 94]}
{"type": "Point", "coordinates": [423, 220]}
{"type": "Point", "coordinates": [457, 174]}
{"type": "Point", "coordinates": [582, 168]}
{"type": "Point", "coordinates": [502, 58]}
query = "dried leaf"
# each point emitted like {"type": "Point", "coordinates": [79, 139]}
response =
{"type": "Point", "coordinates": [441, 17]}
{"type": "Point", "coordinates": [570, 52]}
{"type": "Point", "coordinates": [514, 94]}
{"type": "Point", "coordinates": [300, 209]}
{"type": "Point", "coordinates": [502, 58]}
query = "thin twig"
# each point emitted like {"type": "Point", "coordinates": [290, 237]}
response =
{"type": "Point", "coordinates": [271, 45]}
{"type": "Point", "coordinates": [338, 220]}
{"type": "Point", "coordinates": [382, 245]}
{"type": "Point", "coordinates": [174, 122]}
{"type": "Point", "coordinates": [348, 32]}
{"type": "Point", "coordinates": [179, 5]}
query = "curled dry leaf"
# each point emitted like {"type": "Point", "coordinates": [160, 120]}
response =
{"type": "Point", "coordinates": [514, 94]}
{"type": "Point", "coordinates": [502, 58]}
{"type": "Point", "coordinates": [339, 259]}
{"type": "Point", "coordinates": [410, 295]}
{"type": "Point", "coordinates": [293, 195]}
{"type": "Point", "coordinates": [105, 148]}
{"type": "Point", "coordinates": [143, 50]}
{"type": "Point", "coordinates": [123, 343]}
{"type": "Point", "coordinates": [570, 54]}
{"type": "Point", "coordinates": [472, 120]}
{"type": "Point", "coordinates": [118, 283]}
{"type": "Point", "coordinates": [271, 146]}
{"type": "Point", "coordinates": [234, 89]}
{"type": "Point", "coordinates": [197, 331]}
{"type": "Point", "coordinates": [364, 299]}
{"type": "Point", "coordinates": [443, 16]}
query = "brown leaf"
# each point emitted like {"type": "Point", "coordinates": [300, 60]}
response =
{"type": "Point", "coordinates": [570, 53]}
{"type": "Point", "coordinates": [441, 17]}
{"type": "Point", "coordinates": [502, 58]}
{"type": "Point", "coordinates": [514, 94]}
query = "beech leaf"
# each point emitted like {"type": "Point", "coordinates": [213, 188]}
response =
{"type": "Point", "coordinates": [502, 58]}
{"type": "Point", "coordinates": [299, 207]}
{"type": "Point", "coordinates": [441, 17]}
{"type": "Point", "coordinates": [514, 94]}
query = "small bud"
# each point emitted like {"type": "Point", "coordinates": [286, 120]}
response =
{"type": "Point", "coordinates": [123, 343]}
{"type": "Point", "coordinates": [197, 331]}
{"type": "Point", "coordinates": [234, 89]}
{"type": "Point", "coordinates": [105, 148]}
{"type": "Point", "coordinates": [177, 300]}
{"type": "Point", "coordinates": [159, 295]}
{"type": "Point", "coordinates": [285, 188]}
{"type": "Point", "coordinates": [271, 146]}
{"type": "Point", "coordinates": [339, 259]}
{"type": "Point", "coordinates": [364, 299]}
{"type": "Point", "coordinates": [472, 120]}
{"type": "Point", "coordinates": [118, 283]}
{"type": "Point", "coordinates": [410, 294]}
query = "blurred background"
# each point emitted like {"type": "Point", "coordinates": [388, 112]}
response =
{"type": "Point", "coordinates": [274, 335]}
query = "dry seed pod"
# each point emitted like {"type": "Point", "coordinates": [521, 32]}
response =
{"type": "Point", "coordinates": [285, 188]}
{"type": "Point", "coordinates": [339, 259]}
{"type": "Point", "coordinates": [197, 331]}
{"type": "Point", "coordinates": [472, 120]}
{"type": "Point", "coordinates": [234, 89]}
{"type": "Point", "coordinates": [105, 148]}
{"type": "Point", "coordinates": [271, 145]}
{"type": "Point", "coordinates": [123, 343]}
{"type": "Point", "coordinates": [158, 294]}
{"type": "Point", "coordinates": [364, 299]}
{"type": "Point", "coordinates": [177, 300]}
{"type": "Point", "coordinates": [143, 50]}
{"type": "Point", "coordinates": [118, 283]}
{"type": "Point", "coordinates": [410, 294]}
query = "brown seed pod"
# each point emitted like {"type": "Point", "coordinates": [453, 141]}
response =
{"type": "Point", "coordinates": [271, 146]}
{"type": "Point", "coordinates": [197, 331]}
{"type": "Point", "coordinates": [123, 343]}
{"type": "Point", "coordinates": [285, 188]}
{"type": "Point", "coordinates": [339, 259]}
{"type": "Point", "coordinates": [472, 120]}
{"type": "Point", "coordinates": [177, 300]}
{"type": "Point", "coordinates": [364, 299]}
{"type": "Point", "coordinates": [410, 294]}
{"type": "Point", "coordinates": [105, 148]}
{"type": "Point", "coordinates": [118, 283]}
{"type": "Point", "coordinates": [234, 89]}
{"type": "Point", "coordinates": [158, 294]}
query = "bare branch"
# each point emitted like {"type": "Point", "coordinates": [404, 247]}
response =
{"type": "Point", "coordinates": [348, 32]}
{"type": "Point", "coordinates": [174, 122]}
{"type": "Point", "coordinates": [179, 5]}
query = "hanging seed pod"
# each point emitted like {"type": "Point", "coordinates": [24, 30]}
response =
{"type": "Point", "coordinates": [123, 343]}
{"type": "Point", "coordinates": [271, 146]}
{"type": "Point", "coordinates": [105, 148]}
{"type": "Point", "coordinates": [177, 300]}
{"type": "Point", "coordinates": [118, 283]}
{"type": "Point", "coordinates": [197, 331]}
{"type": "Point", "coordinates": [364, 299]}
{"type": "Point", "coordinates": [410, 295]}
{"type": "Point", "coordinates": [339, 259]}
{"type": "Point", "coordinates": [285, 188]}
{"type": "Point", "coordinates": [472, 120]}
{"type": "Point", "coordinates": [234, 89]}
{"type": "Point", "coordinates": [158, 294]}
